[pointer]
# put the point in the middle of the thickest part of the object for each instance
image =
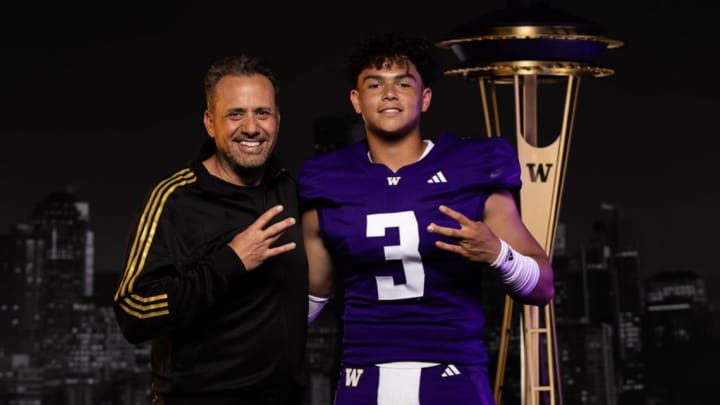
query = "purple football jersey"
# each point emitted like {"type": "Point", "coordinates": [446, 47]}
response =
{"type": "Point", "coordinates": [405, 299]}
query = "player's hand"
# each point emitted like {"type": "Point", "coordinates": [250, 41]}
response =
{"type": "Point", "coordinates": [473, 240]}
{"type": "Point", "coordinates": [254, 245]}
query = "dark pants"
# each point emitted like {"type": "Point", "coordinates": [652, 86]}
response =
{"type": "Point", "coordinates": [274, 395]}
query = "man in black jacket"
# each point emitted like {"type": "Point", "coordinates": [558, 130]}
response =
{"type": "Point", "coordinates": [216, 276]}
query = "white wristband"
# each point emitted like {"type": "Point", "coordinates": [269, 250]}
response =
{"type": "Point", "coordinates": [518, 272]}
{"type": "Point", "coordinates": [315, 305]}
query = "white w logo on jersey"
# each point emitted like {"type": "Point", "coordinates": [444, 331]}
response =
{"type": "Point", "coordinates": [352, 376]}
{"type": "Point", "coordinates": [393, 181]}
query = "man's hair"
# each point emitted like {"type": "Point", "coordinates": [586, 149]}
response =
{"type": "Point", "coordinates": [240, 65]}
{"type": "Point", "coordinates": [394, 47]}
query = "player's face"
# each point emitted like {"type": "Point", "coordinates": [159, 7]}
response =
{"type": "Point", "coordinates": [391, 99]}
{"type": "Point", "coordinates": [244, 121]}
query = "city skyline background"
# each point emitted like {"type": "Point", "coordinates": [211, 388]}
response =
{"type": "Point", "coordinates": [105, 99]}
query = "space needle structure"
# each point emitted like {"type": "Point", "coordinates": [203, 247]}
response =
{"type": "Point", "coordinates": [517, 56]}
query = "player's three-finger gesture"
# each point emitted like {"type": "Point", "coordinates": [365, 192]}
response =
{"type": "Point", "coordinates": [473, 240]}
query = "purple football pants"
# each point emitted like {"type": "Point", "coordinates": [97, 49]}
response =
{"type": "Point", "coordinates": [430, 385]}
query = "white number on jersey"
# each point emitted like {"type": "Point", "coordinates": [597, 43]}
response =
{"type": "Point", "coordinates": [407, 251]}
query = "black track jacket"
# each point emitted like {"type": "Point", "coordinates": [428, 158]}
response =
{"type": "Point", "coordinates": [216, 329]}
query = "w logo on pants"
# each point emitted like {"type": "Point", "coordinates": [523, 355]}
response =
{"type": "Point", "coordinates": [352, 376]}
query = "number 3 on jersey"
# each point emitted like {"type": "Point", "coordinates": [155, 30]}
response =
{"type": "Point", "coordinates": [407, 251]}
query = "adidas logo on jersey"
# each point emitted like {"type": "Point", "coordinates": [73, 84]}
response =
{"type": "Point", "coordinates": [450, 371]}
{"type": "Point", "coordinates": [438, 177]}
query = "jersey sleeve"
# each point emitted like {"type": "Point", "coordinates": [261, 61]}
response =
{"type": "Point", "coordinates": [493, 162]}
{"type": "Point", "coordinates": [323, 179]}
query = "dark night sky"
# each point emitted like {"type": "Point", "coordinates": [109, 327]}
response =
{"type": "Point", "coordinates": [105, 98]}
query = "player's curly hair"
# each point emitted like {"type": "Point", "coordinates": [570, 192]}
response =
{"type": "Point", "coordinates": [395, 47]}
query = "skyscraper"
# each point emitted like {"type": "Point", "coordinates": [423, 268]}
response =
{"type": "Point", "coordinates": [60, 346]}
{"type": "Point", "coordinates": [599, 306]}
{"type": "Point", "coordinates": [681, 339]}
{"type": "Point", "coordinates": [61, 225]}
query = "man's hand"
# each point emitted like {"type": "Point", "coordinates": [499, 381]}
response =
{"type": "Point", "coordinates": [254, 245]}
{"type": "Point", "coordinates": [474, 240]}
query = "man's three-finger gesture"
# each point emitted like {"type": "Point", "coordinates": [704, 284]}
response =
{"type": "Point", "coordinates": [254, 245]}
